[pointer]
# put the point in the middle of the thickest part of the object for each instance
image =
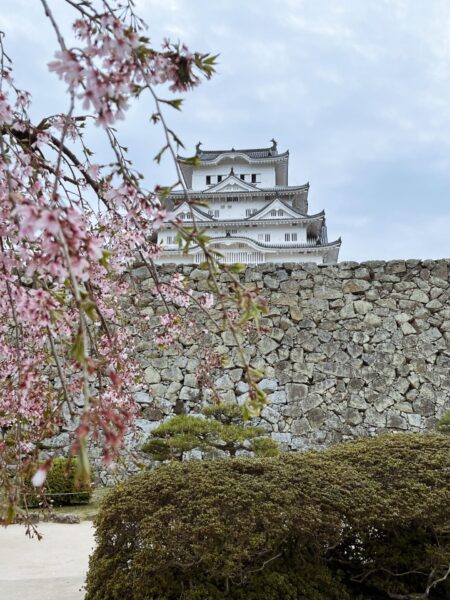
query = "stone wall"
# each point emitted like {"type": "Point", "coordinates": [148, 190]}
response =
{"type": "Point", "coordinates": [348, 350]}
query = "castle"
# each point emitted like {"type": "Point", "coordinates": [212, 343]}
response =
{"type": "Point", "coordinates": [248, 210]}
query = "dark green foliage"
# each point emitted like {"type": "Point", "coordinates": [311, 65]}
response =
{"type": "Point", "coordinates": [223, 429]}
{"type": "Point", "coordinates": [444, 424]}
{"type": "Point", "coordinates": [362, 520]}
{"type": "Point", "coordinates": [61, 487]}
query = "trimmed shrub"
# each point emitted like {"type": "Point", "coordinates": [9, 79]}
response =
{"type": "Point", "coordinates": [366, 519]}
{"type": "Point", "coordinates": [61, 487]}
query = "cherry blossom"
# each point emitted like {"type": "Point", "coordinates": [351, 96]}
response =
{"type": "Point", "coordinates": [71, 229]}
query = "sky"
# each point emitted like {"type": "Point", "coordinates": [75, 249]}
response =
{"type": "Point", "coordinates": [357, 90]}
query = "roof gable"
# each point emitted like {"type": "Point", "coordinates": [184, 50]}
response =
{"type": "Point", "coordinates": [186, 208]}
{"type": "Point", "coordinates": [231, 183]}
{"type": "Point", "coordinates": [280, 207]}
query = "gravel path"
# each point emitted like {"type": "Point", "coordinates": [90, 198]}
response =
{"type": "Point", "coordinates": [52, 569]}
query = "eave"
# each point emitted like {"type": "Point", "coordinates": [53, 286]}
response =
{"type": "Point", "coordinates": [288, 247]}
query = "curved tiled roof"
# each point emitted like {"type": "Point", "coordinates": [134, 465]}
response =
{"type": "Point", "coordinates": [239, 238]}
{"type": "Point", "coordinates": [255, 153]}
{"type": "Point", "coordinates": [277, 188]}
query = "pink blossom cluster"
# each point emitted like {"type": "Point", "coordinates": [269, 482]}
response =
{"type": "Point", "coordinates": [6, 114]}
{"type": "Point", "coordinates": [180, 295]}
{"type": "Point", "coordinates": [56, 282]}
{"type": "Point", "coordinates": [69, 231]}
{"type": "Point", "coordinates": [115, 63]}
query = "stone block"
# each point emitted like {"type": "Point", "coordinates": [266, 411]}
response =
{"type": "Point", "coordinates": [172, 374]}
{"type": "Point", "coordinates": [362, 307]}
{"type": "Point", "coordinates": [142, 398]}
{"type": "Point", "coordinates": [146, 426]}
{"type": "Point", "coordinates": [347, 312]}
{"type": "Point", "coordinates": [300, 427]}
{"type": "Point", "coordinates": [151, 375]}
{"type": "Point", "coordinates": [296, 392]}
{"type": "Point", "coordinates": [296, 355]}
{"type": "Point", "coordinates": [271, 282]}
{"type": "Point", "coordinates": [414, 420]}
{"type": "Point", "coordinates": [372, 320]}
{"type": "Point", "coordinates": [151, 413]}
{"type": "Point", "coordinates": [352, 416]}
{"type": "Point", "coordinates": [268, 385]}
{"type": "Point", "coordinates": [424, 406]}
{"type": "Point", "coordinates": [310, 402]}
{"type": "Point", "coordinates": [355, 286]}
{"type": "Point", "coordinates": [420, 296]}
{"type": "Point", "coordinates": [281, 299]}
{"type": "Point", "coordinates": [224, 383]}
{"type": "Point", "coordinates": [316, 417]}
{"type": "Point", "coordinates": [267, 345]}
{"type": "Point", "coordinates": [277, 398]}
{"type": "Point", "coordinates": [188, 393]}
{"type": "Point", "coordinates": [382, 403]}
{"type": "Point", "coordinates": [396, 421]}
{"type": "Point", "coordinates": [327, 293]}
{"type": "Point", "coordinates": [374, 418]}
{"type": "Point", "coordinates": [284, 439]}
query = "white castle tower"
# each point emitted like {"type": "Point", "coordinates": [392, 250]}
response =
{"type": "Point", "coordinates": [249, 211]}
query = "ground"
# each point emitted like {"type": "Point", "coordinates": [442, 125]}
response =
{"type": "Point", "coordinates": [51, 569]}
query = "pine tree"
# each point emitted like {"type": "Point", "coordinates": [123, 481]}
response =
{"type": "Point", "coordinates": [222, 427]}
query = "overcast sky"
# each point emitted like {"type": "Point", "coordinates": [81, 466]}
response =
{"type": "Point", "coordinates": [357, 90]}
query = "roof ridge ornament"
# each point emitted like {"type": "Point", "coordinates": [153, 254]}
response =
{"type": "Point", "coordinates": [197, 149]}
{"type": "Point", "coordinates": [274, 148]}
{"type": "Point", "coordinates": [232, 171]}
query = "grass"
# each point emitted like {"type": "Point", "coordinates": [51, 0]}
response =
{"type": "Point", "coordinates": [86, 512]}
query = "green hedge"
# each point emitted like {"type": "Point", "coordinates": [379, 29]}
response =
{"type": "Point", "coordinates": [367, 519]}
{"type": "Point", "coordinates": [61, 487]}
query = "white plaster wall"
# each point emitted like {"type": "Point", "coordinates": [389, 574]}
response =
{"type": "Point", "coordinates": [255, 257]}
{"type": "Point", "coordinates": [252, 231]}
{"type": "Point", "coordinates": [235, 210]}
{"type": "Point", "coordinates": [265, 173]}
{"type": "Point", "coordinates": [277, 234]}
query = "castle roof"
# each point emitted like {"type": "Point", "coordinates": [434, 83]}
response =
{"type": "Point", "coordinates": [209, 155]}
{"type": "Point", "coordinates": [252, 190]}
{"type": "Point", "coordinates": [267, 246]}
{"type": "Point", "coordinates": [252, 153]}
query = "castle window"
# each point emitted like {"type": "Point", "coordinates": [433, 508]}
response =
{"type": "Point", "coordinates": [294, 237]}
{"type": "Point", "coordinates": [280, 213]}
{"type": "Point", "coordinates": [260, 237]}
{"type": "Point", "coordinates": [242, 176]}
{"type": "Point", "coordinates": [273, 213]}
{"type": "Point", "coordinates": [267, 237]}
{"type": "Point", "coordinates": [250, 211]}
{"type": "Point", "coordinates": [253, 177]}
{"type": "Point", "coordinates": [216, 213]}
{"type": "Point", "coordinates": [208, 180]}
{"type": "Point", "coordinates": [169, 239]}
{"type": "Point", "coordinates": [287, 237]}
{"type": "Point", "coordinates": [219, 178]}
